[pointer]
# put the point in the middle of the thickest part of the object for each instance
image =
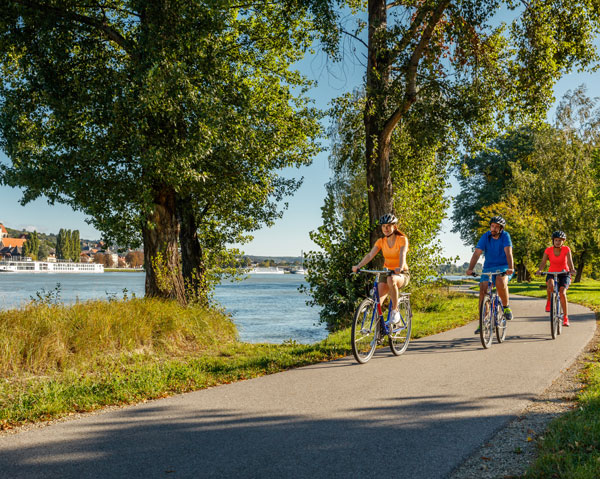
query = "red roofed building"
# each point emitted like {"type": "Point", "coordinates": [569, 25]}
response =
{"type": "Point", "coordinates": [12, 242]}
{"type": "Point", "coordinates": [10, 247]}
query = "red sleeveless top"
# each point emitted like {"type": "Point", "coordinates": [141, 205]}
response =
{"type": "Point", "coordinates": [558, 263]}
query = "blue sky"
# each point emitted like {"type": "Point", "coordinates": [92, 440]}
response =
{"type": "Point", "coordinates": [290, 235]}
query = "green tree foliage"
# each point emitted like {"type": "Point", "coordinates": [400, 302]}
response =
{"type": "Point", "coordinates": [75, 246]}
{"type": "Point", "coordinates": [561, 178]}
{"type": "Point", "coordinates": [60, 244]}
{"type": "Point", "coordinates": [328, 270]}
{"type": "Point", "coordinates": [68, 245]}
{"type": "Point", "coordinates": [32, 246]}
{"type": "Point", "coordinates": [419, 176]}
{"type": "Point", "coordinates": [485, 178]}
{"type": "Point", "coordinates": [452, 68]}
{"type": "Point", "coordinates": [43, 251]}
{"type": "Point", "coordinates": [188, 109]}
{"type": "Point", "coordinates": [541, 180]}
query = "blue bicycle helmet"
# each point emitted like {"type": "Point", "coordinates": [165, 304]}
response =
{"type": "Point", "coordinates": [499, 220]}
{"type": "Point", "coordinates": [388, 219]}
{"type": "Point", "coordinates": [559, 234]}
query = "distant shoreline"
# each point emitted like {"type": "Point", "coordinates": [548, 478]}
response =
{"type": "Point", "coordinates": [124, 270]}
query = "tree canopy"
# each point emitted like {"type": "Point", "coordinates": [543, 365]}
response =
{"type": "Point", "coordinates": [541, 180]}
{"type": "Point", "coordinates": [152, 115]}
{"type": "Point", "coordinates": [457, 69]}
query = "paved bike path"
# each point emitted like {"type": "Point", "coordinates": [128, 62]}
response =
{"type": "Point", "coordinates": [415, 416]}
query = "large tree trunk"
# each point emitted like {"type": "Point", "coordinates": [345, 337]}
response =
{"type": "Point", "coordinates": [522, 273]}
{"type": "Point", "coordinates": [161, 254]}
{"type": "Point", "coordinates": [580, 266]}
{"type": "Point", "coordinates": [379, 182]}
{"type": "Point", "coordinates": [192, 259]}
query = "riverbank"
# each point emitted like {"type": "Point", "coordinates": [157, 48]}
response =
{"type": "Point", "coordinates": [55, 365]}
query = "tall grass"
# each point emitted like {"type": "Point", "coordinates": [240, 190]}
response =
{"type": "Point", "coordinates": [42, 338]}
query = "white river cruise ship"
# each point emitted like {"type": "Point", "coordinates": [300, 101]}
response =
{"type": "Point", "coordinates": [27, 265]}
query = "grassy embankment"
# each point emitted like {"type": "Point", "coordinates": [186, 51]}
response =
{"type": "Point", "coordinates": [56, 360]}
{"type": "Point", "coordinates": [571, 445]}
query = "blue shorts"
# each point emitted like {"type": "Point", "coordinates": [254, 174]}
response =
{"type": "Point", "coordinates": [485, 277]}
{"type": "Point", "coordinates": [564, 280]}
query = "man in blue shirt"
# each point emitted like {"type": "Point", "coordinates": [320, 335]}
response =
{"type": "Point", "coordinates": [496, 246]}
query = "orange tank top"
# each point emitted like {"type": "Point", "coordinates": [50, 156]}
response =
{"type": "Point", "coordinates": [391, 255]}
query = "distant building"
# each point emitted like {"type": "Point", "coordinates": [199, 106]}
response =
{"type": "Point", "coordinates": [12, 242]}
{"type": "Point", "coordinates": [10, 247]}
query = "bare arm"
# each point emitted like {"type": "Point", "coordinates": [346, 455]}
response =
{"type": "Point", "coordinates": [509, 259]}
{"type": "Point", "coordinates": [402, 263]}
{"type": "Point", "coordinates": [543, 263]}
{"type": "Point", "coordinates": [368, 257]}
{"type": "Point", "coordinates": [570, 263]}
{"type": "Point", "coordinates": [474, 259]}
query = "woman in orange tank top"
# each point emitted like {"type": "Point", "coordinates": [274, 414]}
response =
{"type": "Point", "coordinates": [561, 259]}
{"type": "Point", "coordinates": [394, 246]}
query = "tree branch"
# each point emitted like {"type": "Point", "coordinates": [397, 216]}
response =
{"type": "Point", "coordinates": [355, 37]}
{"type": "Point", "coordinates": [410, 96]}
{"type": "Point", "coordinates": [108, 31]}
{"type": "Point", "coordinates": [408, 36]}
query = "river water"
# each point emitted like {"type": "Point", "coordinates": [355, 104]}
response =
{"type": "Point", "coordinates": [264, 307]}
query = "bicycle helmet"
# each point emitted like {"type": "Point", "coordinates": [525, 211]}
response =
{"type": "Point", "coordinates": [388, 219]}
{"type": "Point", "coordinates": [499, 220]}
{"type": "Point", "coordinates": [559, 234]}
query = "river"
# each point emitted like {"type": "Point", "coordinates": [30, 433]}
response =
{"type": "Point", "coordinates": [264, 307]}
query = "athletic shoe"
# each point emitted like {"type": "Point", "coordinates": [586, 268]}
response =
{"type": "Point", "coordinates": [547, 306]}
{"type": "Point", "coordinates": [566, 321]}
{"type": "Point", "coordinates": [478, 330]}
{"type": "Point", "coordinates": [508, 313]}
{"type": "Point", "coordinates": [395, 319]}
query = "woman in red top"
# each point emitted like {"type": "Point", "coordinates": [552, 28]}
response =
{"type": "Point", "coordinates": [561, 259]}
{"type": "Point", "coordinates": [394, 246]}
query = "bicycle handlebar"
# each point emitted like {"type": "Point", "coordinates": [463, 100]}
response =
{"type": "Point", "coordinates": [564, 271]}
{"type": "Point", "coordinates": [488, 273]}
{"type": "Point", "coordinates": [375, 271]}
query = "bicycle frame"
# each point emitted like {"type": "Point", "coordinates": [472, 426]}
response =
{"type": "Point", "coordinates": [493, 295]}
{"type": "Point", "coordinates": [497, 321]}
{"type": "Point", "coordinates": [385, 326]}
{"type": "Point", "coordinates": [370, 329]}
{"type": "Point", "coordinates": [557, 311]}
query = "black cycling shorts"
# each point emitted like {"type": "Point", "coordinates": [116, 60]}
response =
{"type": "Point", "coordinates": [564, 280]}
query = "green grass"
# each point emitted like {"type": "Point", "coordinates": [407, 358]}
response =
{"type": "Point", "coordinates": [56, 360]}
{"type": "Point", "coordinates": [571, 445]}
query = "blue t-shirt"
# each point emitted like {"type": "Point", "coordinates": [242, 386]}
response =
{"type": "Point", "coordinates": [493, 250]}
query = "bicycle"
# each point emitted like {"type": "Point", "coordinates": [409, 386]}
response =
{"type": "Point", "coordinates": [491, 314]}
{"type": "Point", "coordinates": [369, 328]}
{"type": "Point", "coordinates": [556, 313]}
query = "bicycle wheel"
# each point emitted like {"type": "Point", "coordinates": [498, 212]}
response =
{"type": "Point", "coordinates": [500, 323]}
{"type": "Point", "coordinates": [365, 328]}
{"type": "Point", "coordinates": [400, 332]}
{"type": "Point", "coordinates": [486, 325]}
{"type": "Point", "coordinates": [554, 319]}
